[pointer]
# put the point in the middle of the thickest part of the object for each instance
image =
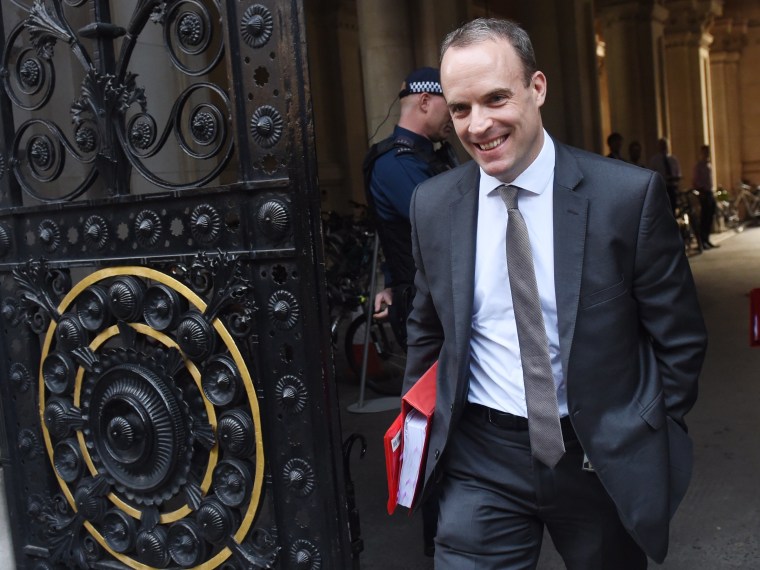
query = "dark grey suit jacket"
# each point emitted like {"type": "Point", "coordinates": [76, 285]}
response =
{"type": "Point", "coordinates": [632, 338]}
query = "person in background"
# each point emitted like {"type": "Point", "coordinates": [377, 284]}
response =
{"type": "Point", "coordinates": [669, 168]}
{"type": "Point", "coordinates": [634, 153]}
{"type": "Point", "coordinates": [615, 144]}
{"type": "Point", "coordinates": [553, 289]}
{"type": "Point", "coordinates": [392, 170]}
{"type": "Point", "coordinates": [702, 180]}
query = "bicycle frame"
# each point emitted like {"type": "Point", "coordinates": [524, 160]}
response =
{"type": "Point", "coordinates": [749, 198]}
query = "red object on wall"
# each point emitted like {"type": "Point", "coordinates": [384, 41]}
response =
{"type": "Point", "coordinates": [754, 317]}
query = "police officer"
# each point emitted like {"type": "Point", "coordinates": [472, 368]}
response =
{"type": "Point", "coordinates": [392, 170]}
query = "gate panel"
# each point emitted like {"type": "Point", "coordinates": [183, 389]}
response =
{"type": "Point", "coordinates": [165, 375]}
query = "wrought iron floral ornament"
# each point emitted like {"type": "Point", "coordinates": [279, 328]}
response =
{"type": "Point", "coordinates": [46, 28]}
{"type": "Point", "coordinates": [104, 97]}
{"type": "Point", "coordinates": [63, 529]}
{"type": "Point", "coordinates": [104, 94]}
{"type": "Point", "coordinates": [41, 288]}
{"type": "Point", "coordinates": [223, 274]}
{"type": "Point", "coordinates": [230, 283]}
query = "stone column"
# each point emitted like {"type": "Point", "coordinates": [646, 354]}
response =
{"type": "Point", "coordinates": [632, 31]}
{"type": "Point", "coordinates": [567, 55]}
{"type": "Point", "coordinates": [604, 90]}
{"type": "Point", "coordinates": [433, 20]}
{"type": "Point", "coordinates": [750, 88]}
{"type": "Point", "coordinates": [326, 90]}
{"type": "Point", "coordinates": [730, 36]}
{"type": "Point", "coordinates": [387, 55]}
{"type": "Point", "coordinates": [687, 73]}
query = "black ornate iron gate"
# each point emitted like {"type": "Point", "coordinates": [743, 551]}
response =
{"type": "Point", "coordinates": [165, 385]}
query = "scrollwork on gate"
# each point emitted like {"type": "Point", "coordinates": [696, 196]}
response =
{"type": "Point", "coordinates": [111, 116]}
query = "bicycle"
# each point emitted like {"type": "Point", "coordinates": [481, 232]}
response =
{"type": "Point", "coordinates": [348, 245]}
{"type": "Point", "coordinates": [386, 359]}
{"type": "Point", "coordinates": [726, 212]}
{"type": "Point", "coordinates": [748, 199]}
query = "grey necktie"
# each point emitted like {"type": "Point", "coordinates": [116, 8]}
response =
{"type": "Point", "coordinates": [544, 428]}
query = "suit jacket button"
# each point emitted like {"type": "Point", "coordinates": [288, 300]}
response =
{"type": "Point", "coordinates": [452, 407]}
{"type": "Point", "coordinates": [437, 453]}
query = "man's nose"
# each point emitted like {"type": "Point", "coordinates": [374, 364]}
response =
{"type": "Point", "coordinates": [480, 120]}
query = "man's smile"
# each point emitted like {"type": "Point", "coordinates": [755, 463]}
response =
{"type": "Point", "coordinates": [492, 144]}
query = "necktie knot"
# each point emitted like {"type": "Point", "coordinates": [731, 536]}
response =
{"type": "Point", "coordinates": [508, 193]}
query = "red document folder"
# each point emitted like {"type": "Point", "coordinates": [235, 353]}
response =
{"type": "Point", "coordinates": [420, 397]}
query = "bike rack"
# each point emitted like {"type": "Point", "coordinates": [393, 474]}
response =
{"type": "Point", "coordinates": [376, 404]}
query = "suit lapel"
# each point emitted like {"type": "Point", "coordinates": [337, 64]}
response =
{"type": "Point", "coordinates": [463, 216]}
{"type": "Point", "coordinates": [570, 218]}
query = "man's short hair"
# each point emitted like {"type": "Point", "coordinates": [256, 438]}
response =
{"type": "Point", "coordinates": [484, 29]}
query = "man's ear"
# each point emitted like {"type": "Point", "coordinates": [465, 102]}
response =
{"type": "Point", "coordinates": [424, 102]}
{"type": "Point", "coordinates": [538, 84]}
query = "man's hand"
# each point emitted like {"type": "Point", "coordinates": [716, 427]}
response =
{"type": "Point", "coordinates": [382, 300]}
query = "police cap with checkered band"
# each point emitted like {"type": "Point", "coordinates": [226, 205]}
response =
{"type": "Point", "coordinates": [422, 80]}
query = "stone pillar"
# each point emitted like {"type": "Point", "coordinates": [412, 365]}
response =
{"type": "Point", "coordinates": [730, 36]}
{"type": "Point", "coordinates": [352, 103]}
{"type": "Point", "coordinates": [750, 102]}
{"type": "Point", "coordinates": [323, 48]}
{"type": "Point", "coordinates": [387, 55]}
{"type": "Point", "coordinates": [687, 73]}
{"type": "Point", "coordinates": [433, 20]}
{"type": "Point", "coordinates": [604, 90]}
{"type": "Point", "coordinates": [632, 31]}
{"type": "Point", "coordinates": [567, 55]}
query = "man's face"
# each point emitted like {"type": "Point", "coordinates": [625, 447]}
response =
{"type": "Point", "coordinates": [438, 119]}
{"type": "Point", "coordinates": [496, 116]}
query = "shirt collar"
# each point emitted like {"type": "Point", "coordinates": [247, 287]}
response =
{"type": "Point", "coordinates": [535, 178]}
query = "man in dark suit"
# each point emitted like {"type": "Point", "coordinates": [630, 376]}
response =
{"type": "Point", "coordinates": [623, 345]}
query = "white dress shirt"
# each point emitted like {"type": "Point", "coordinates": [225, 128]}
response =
{"type": "Point", "coordinates": [496, 377]}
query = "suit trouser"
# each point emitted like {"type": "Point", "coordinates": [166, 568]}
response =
{"type": "Point", "coordinates": [708, 206]}
{"type": "Point", "coordinates": [495, 500]}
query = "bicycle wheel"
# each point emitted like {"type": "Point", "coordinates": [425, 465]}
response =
{"type": "Point", "coordinates": [689, 235]}
{"type": "Point", "coordinates": [727, 211]}
{"type": "Point", "coordinates": [731, 217]}
{"type": "Point", "coordinates": [386, 359]}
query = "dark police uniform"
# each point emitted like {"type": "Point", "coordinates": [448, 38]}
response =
{"type": "Point", "coordinates": [392, 170]}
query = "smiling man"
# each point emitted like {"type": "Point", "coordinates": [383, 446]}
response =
{"type": "Point", "coordinates": [553, 289]}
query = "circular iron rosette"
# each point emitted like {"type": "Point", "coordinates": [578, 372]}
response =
{"type": "Point", "coordinates": [205, 224]}
{"type": "Point", "coordinates": [129, 427]}
{"type": "Point", "coordinates": [30, 77]}
{"type": "Point", "coordinates": [256, 26]}
{"type": "Point", "coordinates": [266, 126]}
{"type": "Point", "coordinates": [193, 36]}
